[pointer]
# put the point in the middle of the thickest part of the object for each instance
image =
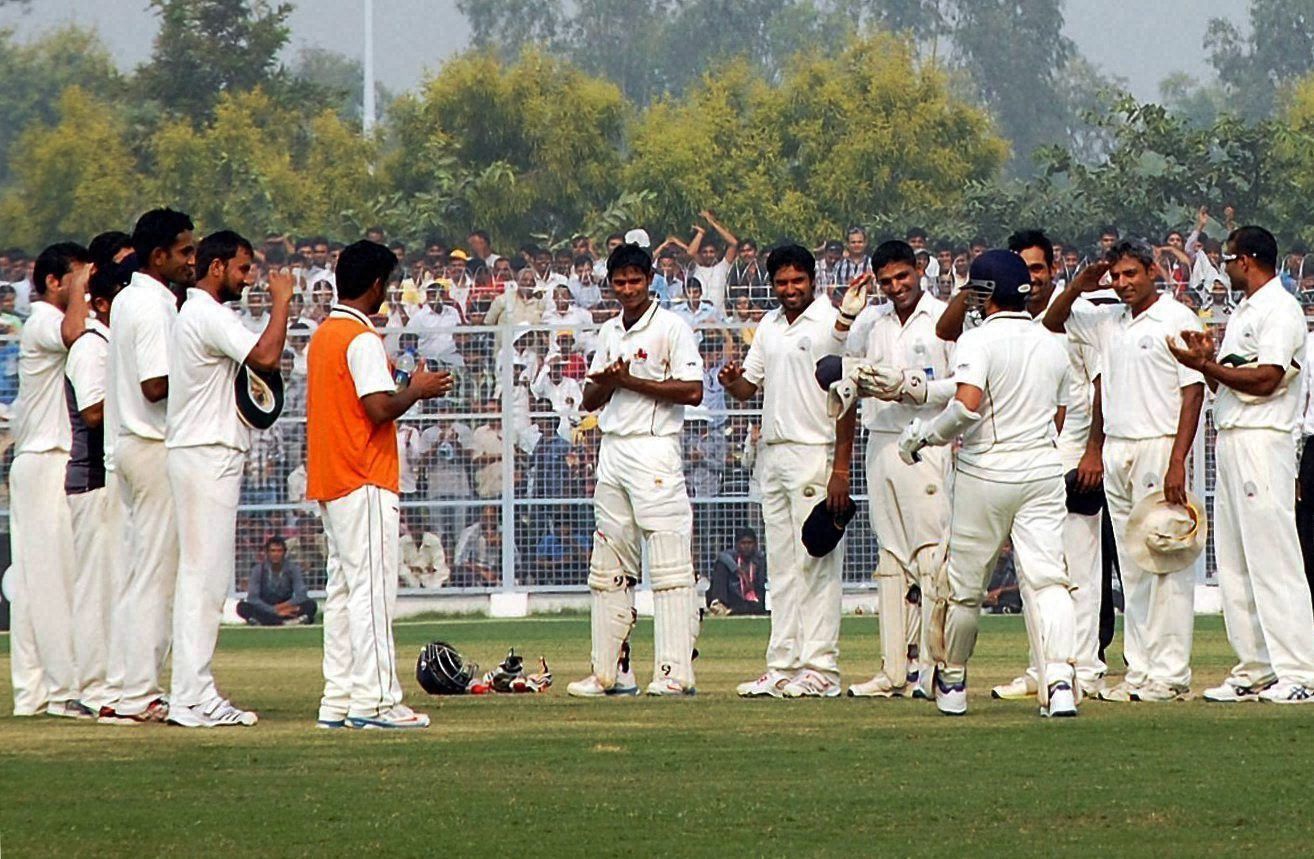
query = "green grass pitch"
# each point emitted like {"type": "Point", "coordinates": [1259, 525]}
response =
{"type": "Point", "coordinates": [548, 775]}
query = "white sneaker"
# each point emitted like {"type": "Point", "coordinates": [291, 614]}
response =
{"type": "Point", "coordinates": [1062, 702]}
{"type": "Point", "coordinates": [1018, 689]}
{"type": "Point", "coordinates": [769, 685]}
{"type": "Point", "coordinates": [920, 680]}
{"type": "Point", "coordinates": [879, 686]}
{"type": "Point", "coordinates": [70, 709]}
{"type": "Point", "coordinates": [669, 687]}
{"type": "Point", "coordinates": [1122, 693]}
{"type": "Point", "coordinates": [219, 713]}
{"type": "Point", "coordinates": [1288, 692]}
{"type": "Point", "coordinates": [399, 717]}
{"type": "Point", "coordinates": [950, 698]}
{"type": "Point", "coordinates": [1157, 693]}
{"type": "Point", "coordinates": [625, 684]}
{"type": "Point", "coordinates": [811, 684]}
{"type": "Point", "coordinates": [1231, 693]}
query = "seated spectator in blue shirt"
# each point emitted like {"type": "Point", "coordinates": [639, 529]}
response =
{"type": "Point", "coordinates": [561, 555]}
{"type": "Point", "coordinates": [739, 577]}
{"type": "Point", "coordinates": [276, 592]}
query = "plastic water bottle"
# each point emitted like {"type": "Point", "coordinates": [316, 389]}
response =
{"type": "Point", "coordinates": [403, 368]}
{"type": "Point", "coordinates": [922, 358]}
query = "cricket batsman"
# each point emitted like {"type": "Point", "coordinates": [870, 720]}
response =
{"type": "Point", "coordinates": [909, 506]}
{"type": "Point", "coordinates": [646, 370]}
{"type": "Point", "coordinates": [1012, 385]}
{"type": "Point", "coordinates": [799, 468]}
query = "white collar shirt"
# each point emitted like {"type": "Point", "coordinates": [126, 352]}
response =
{"type": "Point", "coordinates": [1307, 387]}
{"type": "Point", "coordinates": [209, 345]}
{"type": "Point", "coordinates": [434, 330]}
{"type": "Point", "coordinates": [140, 333]}
{"type": "Point", "coordinates": [1267, 328]}
{"type": "Point", "coordinates": [88, 375]}
{"type": "Point", "coordinates": [1141, 382]}
{"type": "Point", "coordinates": [906, 346]}
{"type": "Point", "coordinates": [1022, 372]}
{"type": "Point", "coordinates": [658, 346]}
{"type": "Point", "coordinates": [40, 414]}
{"type": "Point", "coordinates": [782, 363]}
{"type": "Point", "coordinates": [714, 279]}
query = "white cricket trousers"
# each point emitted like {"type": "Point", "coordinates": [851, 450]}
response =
{"type": "Point", "coordinates": [1158, 610]}
{"type": "Point", "coordinates": [1266, 600]}
{"type": "Point", "coordinates": [805, 591]}
{"type": "Point", "coordinates": [206, 481]}
{"type": "Point", "coordinates": [98, 549]}
{"type": "Point", "coordinates": [1083, 556]}
{"type": "Point", "coordinates": [141, 619]}
{"type": "Point", "coordinates": [985, 513]}
{"type": "Point", "coordinates": [363, 532]}
{"type": "Point", "coordinates": [42, 662]}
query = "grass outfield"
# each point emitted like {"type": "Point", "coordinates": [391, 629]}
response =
{"type": "Point", "coordinates": [714, 775]}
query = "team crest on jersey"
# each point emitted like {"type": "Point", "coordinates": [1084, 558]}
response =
{"type": "Point", "coordinates": [640, 355]}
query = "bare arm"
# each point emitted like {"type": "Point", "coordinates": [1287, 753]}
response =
{"type": "Point", "coordinates": [75, 315]}
{"type": "Point", "coordinates": [1198, 354]}
{"type": "Point", "coordinates": [94, 416]}
{"type": "Point", "coordinates": [1090, 471]}
{"type": "Point", "coordinates": [384, 406]}
{"type": "Point", "coordinates": [1087, 280]}
{"type": "Point", "coordinates": [732, 379]}
{"type": "Point", "coordinates": [837, 491]}
{"type": "Point", "coordinates": [949, 327]}
{"type": "Point", "coordinates": [268, 350]}
{"type": "Point", "coordinates": [1188, 419]}
{"type": "Point", "coordinates": [155, 390]}
{"type": "Point", "coordinates": [696, 242]}
{"type": "Point", "coordinates": [595, 396]}
{"type": "Point", "coordinates": [731, 243]}
{"type": "Point", "coordinates": [668, 390]}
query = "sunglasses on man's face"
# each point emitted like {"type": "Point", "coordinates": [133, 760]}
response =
{"type": "Point", "coordinates": [1226, 257]}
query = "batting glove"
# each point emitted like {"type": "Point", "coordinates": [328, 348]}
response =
{"type": "Point", "coordinates": [911, 440]}
{"type": "Point", "coordinates": [883, 383]}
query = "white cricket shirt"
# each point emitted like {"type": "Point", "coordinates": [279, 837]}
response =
{"type": "Point", "coordinates": [1141, 381]}
{"type": "Point", "coordinates": [40, 413]}
{"type": "Point", "coordinates": [782, 362]}
{"type": "Point", "coordinates": [1307, 389]}
{"type": "Point", "coordinates": [906, 346]}
{"type": "Point", "coordinates": [659, 346]}
{"type": "Point", "coordinates": [209, 345]}
{"type": "Point", "coordinates": [1023, 373]}
{"type": "Point", "coordinates": [1265, 328]}
{"type": "Point", "coordinates": [141, 325]}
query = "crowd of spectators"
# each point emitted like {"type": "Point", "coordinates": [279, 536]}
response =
{"type": "Point", "coordinates": [517, 330]}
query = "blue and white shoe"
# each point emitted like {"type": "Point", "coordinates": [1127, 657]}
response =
{"type": "Point", "coordinates": [399, 717]}
{"type": "Point", "coordinates": [330, 724]}
{"type": "Point", "coordinates": [950, 698]}
{"type": "Point", "coordinates": [1062, 701]}
{"type": "Point", "coordinates": [625, 684]}
{"type": "Point", "coordinates": [1287, 692]}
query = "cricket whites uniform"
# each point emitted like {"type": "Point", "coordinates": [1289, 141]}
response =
{"type": "Point", "coordinates": [640, 500]}
{"type": "Point", "coordinates": [799, 448]}
{"type": "Point", "coordinates": [142, 609]}
{"type": "Point", "coordinates": [1141, 385]}
{"type": "Point", "coordinates": [207, 443]}
{"type": "Point", "coordinates": [40, 531]}
{"type": "Point", "coordinates": [908, 504]}
{"type": "Point", "coordinates": [352, 470]}
{"type": "Point", "coordinates": [1266, 603]}
{"type": "Point", "coordinates": [1009, 483]}
{"type": "Point", "coordinates": [96, 508]}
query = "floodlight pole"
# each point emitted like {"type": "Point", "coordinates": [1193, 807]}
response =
{"type": "Point", "coordinates": [367, 117]}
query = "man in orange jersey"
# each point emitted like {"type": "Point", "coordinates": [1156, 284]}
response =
{"type": "Point", "coordinates": [352, 471]}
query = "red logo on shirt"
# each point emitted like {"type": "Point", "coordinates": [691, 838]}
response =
{"type": "Point", "coordinates": [640, 355]}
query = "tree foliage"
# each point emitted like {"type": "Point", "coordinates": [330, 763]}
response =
{"type": "Point", "coordinates": [1275, 52]}
{"type": "Point", "coordinates": [206, 48]}
{"type": "Point", "coordinates": [71, 179]}
{"type": "Point", "coordinates": [861, 136]}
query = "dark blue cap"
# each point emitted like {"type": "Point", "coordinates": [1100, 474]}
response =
{"type": "Point", "coordinates": [823, 530]}
{"type": "Point", "coordinates": [1000, 274]}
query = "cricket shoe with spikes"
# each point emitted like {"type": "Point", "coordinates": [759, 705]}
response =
{"type": "Point", "coordinates": [879, 686]}
{"type": "Point", "coordinates": [770, 685]}
{"type": "Point", "coordinates": [1018, 689]}
{"type": "Point", "coordinates": [950, 698]}
{"type": "Point", "coordinates": [1062, 701]}
{"type": "Point", "coordinates": [811, 684]}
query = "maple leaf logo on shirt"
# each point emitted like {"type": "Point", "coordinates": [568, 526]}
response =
{"type": "Point", "coordinates": [640, 355]}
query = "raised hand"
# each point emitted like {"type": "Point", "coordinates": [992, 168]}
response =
{"type": "Point", "coordinates": [1196, 349]}
{"type": "Point", "coordinates": [281, 284]}
{"type": "Point", "coordinates": [730, 373]}
{"type": "Point", "coordinates": [429, 385]}
{"type": "Point", "coordinates": [1088, 279]}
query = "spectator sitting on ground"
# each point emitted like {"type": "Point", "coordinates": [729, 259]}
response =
{"type": "Point", "coordinates": [276, 591]}
{"type": "Point", "coordinates": [739, 577]}
{"type": "Point", "coordinates": [479, 551]}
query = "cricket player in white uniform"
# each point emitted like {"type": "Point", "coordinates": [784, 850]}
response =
{"type": "Point", "coordinates": [909, 505]}
{"type": "Point", "coordinates": [140, 327]}
{"type": "Point", "coordinates": [42, 663]}
{"type": "Point", "coordinates": [1082, 548]}
{"type": "Point", "coordinates": [90, 482]}
{"type": "Point", "coordinates": [1148, 406]}
{"type": "Point", "coordinates": [207, 443]}
{"type": "Point", "coordinates": [1012, 379]}
{"type": "Point", "coordinates": [799, 469]}
{"type": "Point", "coordinates": [1266, 603]}
{"type": "Point", "coordinates": [646, 370]}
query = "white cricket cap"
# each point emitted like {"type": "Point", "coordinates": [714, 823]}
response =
{"type": "Point", "coordinates": [638, 237]}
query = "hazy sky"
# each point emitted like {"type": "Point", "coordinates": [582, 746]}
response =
{"type": "Point", "coordinates": [1140, 40]}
